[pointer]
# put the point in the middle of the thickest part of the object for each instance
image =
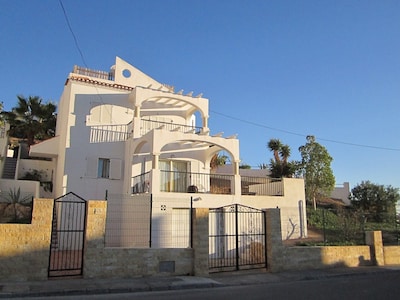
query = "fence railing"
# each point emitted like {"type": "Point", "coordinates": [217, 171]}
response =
{"type": "Point", "coordinates": [148, 125]}
{"type": "Point", "coordinates": [337, 226]}
{"type": "Point", "coordinates": [262, 186]}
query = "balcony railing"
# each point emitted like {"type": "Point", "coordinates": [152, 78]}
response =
{"type": "Point", "coordinates": [148, 125]}
{"type": "Point", "coordinates": [93, 73]}
{"type": "Point", "coordinates": [110, 133]}
{"type": "Point", "coordinates": [141, 183]}
{"type": "Point", "coordinates": [186, 182]}
{"type": "Point", "coordinates": [262, 186]}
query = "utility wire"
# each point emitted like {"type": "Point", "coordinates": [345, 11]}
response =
{"type": "Point", "coordinates": [72, 32]}
{"type": "Point", "coordinates": [227, 116]}
{"type": "Point", "coordinates": [304, 135]}
{"type": "Point", "coordinates": [81, 53]}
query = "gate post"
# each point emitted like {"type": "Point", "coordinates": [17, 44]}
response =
{"type": "Point", "coordinates": [275, 248]}
{"type": "Point", "coordinates": [95, 238]}
{"type": "Point", "coordinates": [200, 241]}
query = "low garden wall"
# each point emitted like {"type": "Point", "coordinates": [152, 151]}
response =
{"type": "Point", "coordinates": [391, 255]}
{"type": "Point", "coordinates": [280, 257]}
{"type": "Point", "coordinates": [25, 248]}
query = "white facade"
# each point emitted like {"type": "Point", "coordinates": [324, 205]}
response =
{"type": "Point", "coordinates": [342, 192]}
{"type": "Point", "coordinates": [122, 132]}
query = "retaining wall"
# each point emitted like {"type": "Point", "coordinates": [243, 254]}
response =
{"type": "Point", "coordinates": [280, 257]}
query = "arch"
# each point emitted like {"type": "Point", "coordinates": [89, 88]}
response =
{"type": "Point", "coordinates": [159, 102]}
{"type": "Point", "coordinates": [106, 113]}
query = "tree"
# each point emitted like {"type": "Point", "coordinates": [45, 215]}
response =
{"type": "Point", "coordinates": [218, 160]}
{"type": "Point", "coordinates": [315, 167]}
{"type": "Point", "coordinates": [244, 166]}
{"type": "Point", "coordinates": [280, 166]}
{"type": "Point", "coordinates": [263, 166]}
{"type": "Point", "coordinates": [31, 119]}
{"type": "Point", "coordinates": [377, 201]}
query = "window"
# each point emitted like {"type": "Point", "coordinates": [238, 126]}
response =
{"type": "Point", "coordinates": [103, 170]}
{"type": "Point", "coordinates": [174, 177]}
{"type": "Point", "coordinates": [110, 168]}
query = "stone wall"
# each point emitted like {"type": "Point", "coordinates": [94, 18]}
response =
{"type": "Point", "coordinates": [391, 255]}
{"type": "Point", "coordinates": [281, 258]}
{"type": "Point", "coordinates": [24, 248]}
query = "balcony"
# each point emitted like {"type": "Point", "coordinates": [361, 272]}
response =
{"type": "Point", "coordinates": [110, 133]}
{"type": "Point", "coordinates": [93, 73]}
{"type": "Point", "coordinates": [148, 125]}
{"type": "Point", "coordinates": [186, 182]}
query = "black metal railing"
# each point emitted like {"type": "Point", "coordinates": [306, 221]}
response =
{"type": "Point", "coordinates": [189, 182]}
{"type": "Point", "coordinates": [262, 186]}
{"type": "Point", "coordinates": [141, 183]}
{"type": "Point", "coordinates": [185, 182]}
{"type": "Point", "coordinates": [148, 125]}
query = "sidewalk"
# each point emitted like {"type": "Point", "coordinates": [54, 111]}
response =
{"type": "Point", "coordinates": [80, 286]}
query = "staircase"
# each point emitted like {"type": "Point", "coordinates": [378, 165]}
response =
{"type": "Point", "coordinates": [10, 164]}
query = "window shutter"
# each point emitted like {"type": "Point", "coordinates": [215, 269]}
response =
{"type": "Point", "coordinates": [91, 167]}
{"type": "Point", "coordinates": [115, 168]}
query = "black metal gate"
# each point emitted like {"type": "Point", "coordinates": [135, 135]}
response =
{"type": "Point", "coordinates": [237, 238]}
{"type": "Point", "coordinates": [67, 236]}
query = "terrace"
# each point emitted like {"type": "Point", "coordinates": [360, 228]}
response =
{"type": "Point", "coordinates": [122, 132]}
{"type": "Point", "coordinates": [189, 182]}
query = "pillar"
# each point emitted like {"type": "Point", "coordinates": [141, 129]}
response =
{"type": "Point", "coordinates": [275, 248]}
{"type": "Point", "coordinates": [374, 240]}
{"type": "Point", "coordinates": [200, 241]}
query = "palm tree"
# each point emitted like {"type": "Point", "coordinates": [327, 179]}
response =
{"type": "Point", "coordinates": [31, 119]}
{"type": "Point", "coordinates": [279, 166]}
{"type": "Point", "coordinates": [218, 160]}
{"type": "Point", "coordinates": [284, 152]}
{"type": "Point", "coordinates": [275, 145]}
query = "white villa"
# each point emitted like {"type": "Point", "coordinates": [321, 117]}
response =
{"type": "Point", "coordinates": [123, 132]}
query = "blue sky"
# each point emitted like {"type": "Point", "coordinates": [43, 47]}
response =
{"type": "Point", "coordinates": [271, 69]}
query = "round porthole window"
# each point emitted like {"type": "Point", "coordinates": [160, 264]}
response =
{"type": "Point", "coordinates": [126, 73]}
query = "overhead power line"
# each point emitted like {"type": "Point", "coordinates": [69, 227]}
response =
{"type": "Point", "coordinates": [72, 32]}
{"type": "Point", "coordinates": [227, 116]}
{"type": "Point", "coordinates": [304, 135]}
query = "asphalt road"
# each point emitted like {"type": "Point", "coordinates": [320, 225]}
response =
{"type": "Point", "coordinates": [372, 286]}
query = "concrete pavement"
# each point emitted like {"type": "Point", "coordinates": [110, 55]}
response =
{"type": "Point", "coordinates": [81, 286]}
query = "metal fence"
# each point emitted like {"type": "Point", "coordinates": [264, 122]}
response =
{"type": "Point", "coordinates": [336, 226]}
{"type": "Point", "coordinates": [142, 221]}
{"type": "Point", "coordinates": [16, 206]}
{"type": "Point", "coordinates": [262, 186]}
{"type": "Point", "coordinates": [237, 238]}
